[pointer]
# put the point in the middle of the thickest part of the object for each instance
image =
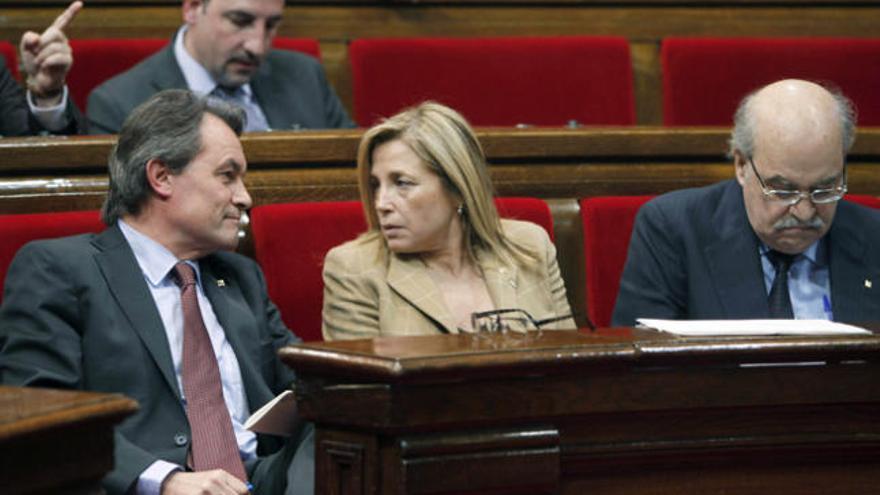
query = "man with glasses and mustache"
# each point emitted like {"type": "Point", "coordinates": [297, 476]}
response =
{"type": "Point", "coordinates": [778, 241]}
{"type": "Point", "coordinates": [225, 49]}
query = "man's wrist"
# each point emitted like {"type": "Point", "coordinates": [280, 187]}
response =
{"type": "Point", "coordinates": [44, 97]}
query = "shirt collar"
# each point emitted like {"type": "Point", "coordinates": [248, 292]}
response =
{"type": "Point", "coordinates": [816, 253]}
{"type": "Point", "coordinates": [155, 260]}
{"type": "Point", "coordinates": [197, 77]}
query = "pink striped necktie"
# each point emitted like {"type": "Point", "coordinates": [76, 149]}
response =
{"type": "Point", "coordinates": [213, 440]}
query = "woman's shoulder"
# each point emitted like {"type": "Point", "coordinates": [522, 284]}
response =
{"type": "Point", "coordinates": [526, 232]}
{"type": "Point", "coordinates": [359, 254]}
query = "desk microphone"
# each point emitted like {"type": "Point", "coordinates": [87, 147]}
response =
{"type": "Point", "coordinates": [243, 221]}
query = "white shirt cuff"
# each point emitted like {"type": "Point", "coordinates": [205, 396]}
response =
{"type": "Point", "coordinates": [53, 118]}
{"type": "Point", "coordinates": [150, 481]}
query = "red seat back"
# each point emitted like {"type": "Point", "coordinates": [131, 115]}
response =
{"type": "Point", "coordinates": [8, 51]}
{"type": "Point", "coordinates": [96, 60]}
{"type": "Point", "coordinates": [291, 240]}
{"type": "Point", "coordinates": [865, 200]}
{"type": "Point", "coordinates": [704, 79]}
{"type": "Point", "coordinates": [497, 81]}
{"type": "Point", "coordinates": [608, 224]}
{"type": "Point", "coordinates": [309, 46]}
{"type": "Point", "coordinates": [17, 230]}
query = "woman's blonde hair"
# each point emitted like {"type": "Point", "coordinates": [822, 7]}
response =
{"type": "Point", "coordinates": [446, 144]}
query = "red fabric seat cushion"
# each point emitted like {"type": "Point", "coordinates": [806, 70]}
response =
{"type": "Point", "coordinates": [704, 79]}
{"type": "Point", "coordinates": [608, 223]}
{"type": "Point", "coordinates": [96, 60]}
{"type": "Point", "coordinates": [309, 46]}
{"type": "Point", "coordinates": [18, 230]}
{"type": "Point", "coordinates": [291, 240]}
{"type": "Point", "coordinates": [545, 81]}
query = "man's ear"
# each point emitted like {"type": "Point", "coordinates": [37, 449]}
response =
{"type": "Point", "coordinates": [739, 167]}
{"type": "Point", "coordinates": [160, 178]}
{"type": "Point", "coordinates": [191, 10]}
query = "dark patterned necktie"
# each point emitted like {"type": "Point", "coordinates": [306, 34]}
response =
{"type": "Point", "coordinates": [779, 299]}
{"type": "Point", "coordinates": [213, 440]}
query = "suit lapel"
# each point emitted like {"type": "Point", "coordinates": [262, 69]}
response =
{"type": "Point", "coordinates": [852, 291]}
{"type": "Point", "coordinates": [164, 78]}
{"type": "Point", "coordinates": [409, 278]}
{"type": "Point", "coordinates": [501, 281]}
{"type": "Point", "coordinates": [120, 269]}
{"type": "Point", "coordinates": [266, 89]}
{"type": "Point", "coordinates": [733, 260]}
{"type": "Point", "coordinates": [239, 326]}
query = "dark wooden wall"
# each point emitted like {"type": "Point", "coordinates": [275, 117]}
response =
{"type": "Point", "coordinates": [334, 23]}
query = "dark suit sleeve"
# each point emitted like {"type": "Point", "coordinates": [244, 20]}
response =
{"type": "Point", "coordinates": [337, 117]}
{"type": "Point", "coordinates": [41, 342]}
{"type": "Point", "coordinates": [104, 114]}
{"type": "Point", "coordinates": [653, 284]}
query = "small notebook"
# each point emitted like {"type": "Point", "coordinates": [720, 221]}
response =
{"type": "Point", "coordinates": [277, 417]}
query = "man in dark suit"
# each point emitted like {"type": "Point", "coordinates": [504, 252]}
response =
{"type": "Point", "coordinates": [105, 312]}
{"type": "Point", "coordinates": [777, 241]}
{"type": "Point", "coordinates": [45, 107]}
{"type": "Point", "coordinates": [224, 48]}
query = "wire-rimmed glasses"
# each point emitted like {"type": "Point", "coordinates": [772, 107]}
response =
{"type": "Point", "coordinates": [791, 197]}
{"type": "Point", "coordinates": [510, 320]}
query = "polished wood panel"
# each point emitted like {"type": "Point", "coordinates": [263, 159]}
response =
{"type": "Point", "coordinates": [615, 411]}
{"type": "Point", "coordinates": [56, 441]}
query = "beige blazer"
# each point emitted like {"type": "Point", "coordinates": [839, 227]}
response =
{"type": "Point", "coordinates": [365, 298]}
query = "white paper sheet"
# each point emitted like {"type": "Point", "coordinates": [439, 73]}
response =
{"type": "Point", "coordinates": [751, 327]}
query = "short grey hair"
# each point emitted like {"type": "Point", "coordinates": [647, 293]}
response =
{"type": "Point", "coordinates": [742, 138]}
{"type": "Point", "coordinates": [167, 127]}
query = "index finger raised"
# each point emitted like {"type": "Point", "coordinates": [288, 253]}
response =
{"type": "Point", "coordinates": [67, 16]}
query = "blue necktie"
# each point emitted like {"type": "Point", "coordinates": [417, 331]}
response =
{"type": "Point", "coordinates": [256, 121]}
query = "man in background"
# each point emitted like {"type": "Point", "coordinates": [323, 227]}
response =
{"type": "Point", "coordinates": [45, 107]}
{"type": "Point", "coordinates": [224, 49]}
{"type": "Point", "coordinates": [778, 241]}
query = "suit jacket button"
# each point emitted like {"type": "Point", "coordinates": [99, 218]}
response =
{"type": "Point", "coordinates": [180, 439]}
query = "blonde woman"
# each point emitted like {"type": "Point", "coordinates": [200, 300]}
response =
{"type": "Point", "coordinates": [435, 251]}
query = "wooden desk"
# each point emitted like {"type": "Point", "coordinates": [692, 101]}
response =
{"type": "Point", "coordinates": [55, 441]}
{"type": "Point", "coordinates": [619, 411]}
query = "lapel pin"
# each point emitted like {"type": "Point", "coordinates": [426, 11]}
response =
{"type": "Point", "coordinates": [221, 282]}
{"type": "Point", "coordinates": [868, 283]}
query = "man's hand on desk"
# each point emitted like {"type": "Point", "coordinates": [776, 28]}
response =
{"type": "Point", "coordinates": [216, 482]}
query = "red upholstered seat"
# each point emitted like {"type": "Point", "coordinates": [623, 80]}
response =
{"type": "Point", "coordinates": [10, 54]}
{"type": "Point", "coordinates": [96, 60]}
{"type": "Point", "coordinates": [608, 224]}
{"type": "Point", "coordinates": [18, 230]}
{"type": "Point", "coordinates": [705, 78]}
{"type": "Point", "coordinates": [291, 240]}
{"type": "Point", "coordinates": [309, 46]}
{"type": "Point", "coordinates": [497, 81]}
{"type": "Point", "coordinates": [864, 199]}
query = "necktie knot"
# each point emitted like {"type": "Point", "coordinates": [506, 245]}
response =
{"type": "Point", "coordinates": [184, 275]}
{"type": "Point", "coordinates": [781, 261]}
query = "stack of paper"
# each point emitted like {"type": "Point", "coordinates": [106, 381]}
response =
{"type": "Point", "coordinates": [751, 327]}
